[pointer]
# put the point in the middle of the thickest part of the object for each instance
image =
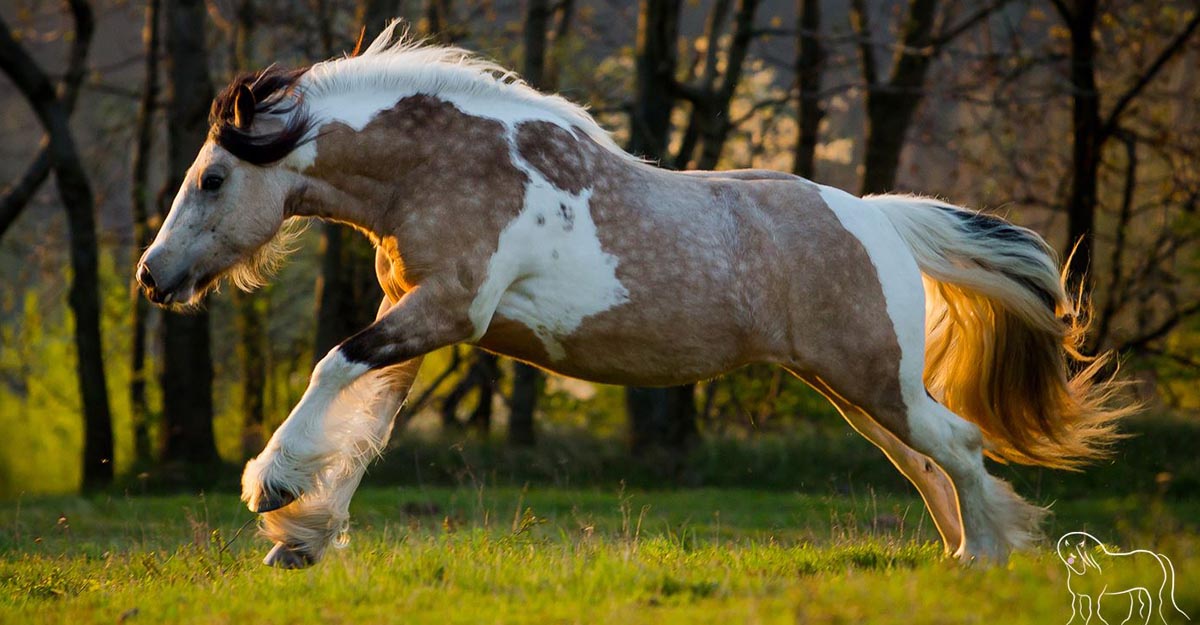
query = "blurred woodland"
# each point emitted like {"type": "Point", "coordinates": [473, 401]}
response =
{"type": "Point", "coordinates": [1078, 118]}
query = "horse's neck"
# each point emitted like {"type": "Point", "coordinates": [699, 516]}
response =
{"type": "Point", "coordinates": [419, 172]}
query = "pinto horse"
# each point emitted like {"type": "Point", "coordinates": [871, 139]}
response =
{"type": "Point", "coordinates": [508, 219]}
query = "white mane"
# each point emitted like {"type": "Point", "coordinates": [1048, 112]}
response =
{"type": "Point", "coordinates": [353, 89]}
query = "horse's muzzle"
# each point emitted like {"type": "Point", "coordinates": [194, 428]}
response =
{"type": "Point", "coordinates": [149, 286]}
{"type": "Point", "coordinates": [284, 557]}
{"type": "Point", "coordinates": [158, 292]}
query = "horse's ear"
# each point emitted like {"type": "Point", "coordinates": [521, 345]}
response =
{"type": "Point", "coordinates": [243, 107]}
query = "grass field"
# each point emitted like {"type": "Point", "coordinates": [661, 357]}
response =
{"type": "Point", "coordinates": [556, 555]}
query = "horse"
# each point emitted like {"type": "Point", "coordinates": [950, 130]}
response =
{"type": "Point", "coordinates": [509, 219]}
{"type": "Point", "coordinates": [1089, 581]}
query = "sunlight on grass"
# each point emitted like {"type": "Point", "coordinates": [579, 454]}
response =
{"type": "Point", "coordinates": [470, 555]}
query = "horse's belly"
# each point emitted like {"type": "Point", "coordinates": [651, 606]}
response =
{"type": "Point", "coordinates": [621, 346]}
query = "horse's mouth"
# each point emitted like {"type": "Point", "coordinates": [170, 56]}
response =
{"type": "Point", "coordinates": [181, 295]}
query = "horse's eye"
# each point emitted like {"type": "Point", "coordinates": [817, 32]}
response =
{"type": "Point", "coordinates": [211, 182]}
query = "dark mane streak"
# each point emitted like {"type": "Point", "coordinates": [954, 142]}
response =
{"type": "Point", "coordinates": [274, 93]}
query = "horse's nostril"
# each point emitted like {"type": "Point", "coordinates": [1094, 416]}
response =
{"type": "Point", "coordinates": [144, 277]}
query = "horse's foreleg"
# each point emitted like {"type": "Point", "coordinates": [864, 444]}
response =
{"type": "Point", "coordinates": [302, 446]}
{"type": "Point", "coordinates": [308, 441]}
{"type": "Point", "coordinates": [361, 426]}
{"type": "Point", "coordinates": [1075, 602]}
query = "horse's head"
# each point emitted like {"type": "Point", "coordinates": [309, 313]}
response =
{"type": "Point", "coordinates": [1076, 550]}
{"type": "Point", "coordinates": [234, 199]}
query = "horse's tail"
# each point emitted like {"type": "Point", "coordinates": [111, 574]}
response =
{"type": "Point", "coordinates": [1169, 574]}
{"type": "Point", "coordinates": [1003, 337]}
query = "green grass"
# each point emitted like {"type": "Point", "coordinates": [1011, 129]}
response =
{"type": "Point", "coordinates": [555, 555]}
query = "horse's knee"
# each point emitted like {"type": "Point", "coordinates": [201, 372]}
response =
{"type": "Point", "coordinates": [336, 370]}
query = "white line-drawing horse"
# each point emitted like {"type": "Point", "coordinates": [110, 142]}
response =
{"type": "Point", "coordinates": [1093, 572]}
{"type": "Point", "coordinates": [509, 219]}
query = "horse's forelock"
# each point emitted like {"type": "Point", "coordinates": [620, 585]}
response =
{"type": "Point", "coordinates": [274, 92]}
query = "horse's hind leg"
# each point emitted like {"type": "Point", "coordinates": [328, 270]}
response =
{"type": "Point", "coordinates": [995, 519]}
{"type": "Point", "coordinates": [935, 487]}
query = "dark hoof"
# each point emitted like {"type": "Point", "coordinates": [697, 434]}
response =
{"type": "Point", "coordinates": [273, 499]}
{"type": "Point", "coordinates": [284, 557]}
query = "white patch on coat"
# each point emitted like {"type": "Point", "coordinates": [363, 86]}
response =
{"type": "Point", "coordinates": [549, 271]}
{"type": "Point", "coordinates": [903, 290]}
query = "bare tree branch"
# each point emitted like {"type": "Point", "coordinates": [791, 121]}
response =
{"type": "Point", "coordinates": [76, 195]}
{"type": "Point", "coordinates": [18, 195]}
{"type": "Point", "coordinates": [414, 406]}
{"type": "Point", "coordinates": [952, 33]}
{"type": "Point", "coordinates": [1163, 328]}
{"type": "Point", "coordinates": [1063, 10]}
{"type": "Point", "coordinates": [1117, 258]}
{"type": "Point", "coordinates": [1164, 57]}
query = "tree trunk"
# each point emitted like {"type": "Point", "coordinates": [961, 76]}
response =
{"type": "Point", "coordinates": [527, 388]}
{"type": "Point", "coordinates": [348, 290]}
{"type": "Point", "coordinates": [1086, 139]}
{"type": "Point", "coordinates": [663, 419]}
{"type": "Point", "coordinates": [84, 298]}
{"type": "Point", "coordinates": [888, 117]}
{"type": "Point", "coordinates": [140, 201]}
{"type": "Point", "coordinates": [75, 192]}
{"type": "Point", "coordinates": [714, 123]}
{"type": "Point", "coordinates": [891, 104]}
{"type": "Point", "coordinates": [650, 123]}
{"type": "Point", "coordinates": [537, 17]}
{"type": "Point", "coordinates": [810, 65]}
{"type": "Point", "coordinates": [1090, 132]}
{"type": "Point", "coordinates": [17, 196]}
{"type": "Point", "coordinates": [373, 15]}
{"type": "Point", "coordinates": [438, 26]}
{"type": "Point", "coordinates": [489, 377]}
{"type": "Point", "coordinates": [252, 350]}
{"type": "Point", "coordinates": [659, 418]}
{"type": "Point", "coordinates": [249, 308]}
{"type": "Point", "coordinates": [187, 372]}
{"type": "Point", "coordinates": [566, 10]}
{"type": "Point", "coordinates": [483, 372]}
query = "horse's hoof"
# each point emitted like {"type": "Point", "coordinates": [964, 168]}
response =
{"type": "Point", "coordinates": [284, 557]}
{"type": "Point", "coordinates": [272, 498]}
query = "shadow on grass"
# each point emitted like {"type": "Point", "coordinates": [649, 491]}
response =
{"type": "Point", "coordinates": [1160, 459]}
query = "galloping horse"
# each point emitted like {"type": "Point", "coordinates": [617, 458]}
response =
{"type": "Point", "coordinates": [509, 219]}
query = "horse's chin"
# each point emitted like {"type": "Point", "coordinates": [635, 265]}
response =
{"type": "Point", "coordinates": [188, 297]}
{"type": "Point", "coordinates": [182, 301]}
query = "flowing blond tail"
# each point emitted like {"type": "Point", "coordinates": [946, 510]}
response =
{"type": "Point", "coordinates": [1003, 337]}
